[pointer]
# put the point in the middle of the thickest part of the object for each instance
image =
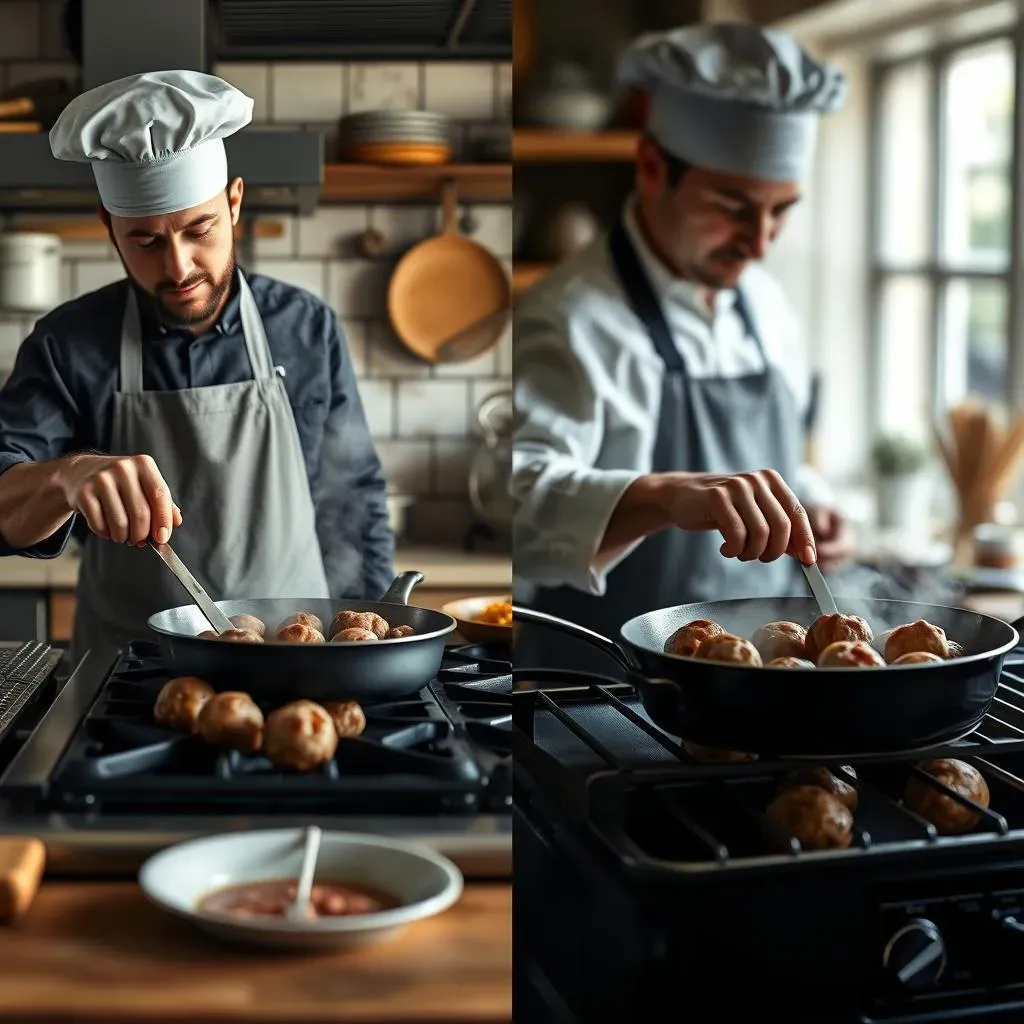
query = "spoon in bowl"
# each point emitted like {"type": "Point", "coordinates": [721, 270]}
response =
{"type": "Point", "coordinates": [300, 909]}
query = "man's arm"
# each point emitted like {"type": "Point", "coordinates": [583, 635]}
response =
{"type": "Point", "coordinates": [562, 502]}
{"type": "Point", "coordinates": [38, 416]}
{"type": "Point", "coordinates": [349, 491]}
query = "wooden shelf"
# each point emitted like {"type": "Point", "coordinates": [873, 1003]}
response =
{"type": "Point", "coordinates": [367, 183]}
{"type": "Point", "coordinates": [524, 275]}
{"type": "Point", "coordinates": [543, 146]}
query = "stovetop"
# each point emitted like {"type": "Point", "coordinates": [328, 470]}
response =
{"type": "Point", "coordinates": [641, 872]}
{"type": "Point", "coordinates": [89, 770]}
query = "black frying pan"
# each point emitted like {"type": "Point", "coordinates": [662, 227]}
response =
{"type": "Point", "coordinates": [812, 712]}
{"type": "Point", "coordinates": [275, 671]}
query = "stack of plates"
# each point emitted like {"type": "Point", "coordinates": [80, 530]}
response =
{"type": "Point", "coordinates": [395, 137]}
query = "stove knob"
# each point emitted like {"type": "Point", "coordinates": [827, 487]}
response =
{"type": "Point", "coordinates": [915, 956]}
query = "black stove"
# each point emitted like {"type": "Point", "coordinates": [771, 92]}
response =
{"type": "Point", "coordinates": [651, 888]}
{"type": "Point", "coordinates": [87, 768]}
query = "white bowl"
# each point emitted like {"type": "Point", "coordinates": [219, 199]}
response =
{"type": "Point", "coordinates": [424, 882]}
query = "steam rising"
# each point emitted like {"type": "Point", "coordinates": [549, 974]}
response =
{"type": "Point", "coordinates": [858, 590]}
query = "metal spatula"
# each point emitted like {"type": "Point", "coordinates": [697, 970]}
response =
{"type": "Point", "coordinates": [819, 588]}
{"type": "Point", "coordinates": [217, 619]}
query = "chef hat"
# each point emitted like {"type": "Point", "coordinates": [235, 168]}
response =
{"type": "Point", "coordinates": [734, 98]}
{"type": "Point", "coordinates": [155, 141]}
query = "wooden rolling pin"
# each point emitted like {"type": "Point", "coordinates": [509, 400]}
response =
{"type": "Point", "coordinates": [22, 860]}
{"type": "Point", "coordinates": [20, 127]}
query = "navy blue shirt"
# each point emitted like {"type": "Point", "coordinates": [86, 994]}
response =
{"type": "Point", "coordinates": [59, 399]}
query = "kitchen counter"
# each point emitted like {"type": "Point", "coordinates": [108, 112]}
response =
{"type": "Point", "coordinates": [100, 952]}
{"type": "Point", "coordinates": [441, 567]}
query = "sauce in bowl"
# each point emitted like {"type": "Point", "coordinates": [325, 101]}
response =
{"type": "Point", "coordinates": [271, 898]}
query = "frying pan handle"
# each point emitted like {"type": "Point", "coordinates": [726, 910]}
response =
{"type": "Point", "coordinates": [602, 643]}
{"type": "Point", "coordinates": [401, 587]}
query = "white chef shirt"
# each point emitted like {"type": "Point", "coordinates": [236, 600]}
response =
{"type": "Point", "coordinates": [588, 387]}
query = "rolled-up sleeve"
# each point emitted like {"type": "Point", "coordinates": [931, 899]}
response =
{"type": "Point", "coordinates": [349, 489]}
{"type": "Point", "coordinates": [562, 500]}
{"type": "Point", "coordinates": [38, 421]}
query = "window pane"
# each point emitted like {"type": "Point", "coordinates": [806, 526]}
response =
{"type": "Point", "coordinates": [905, 356]}
{"type": "Point", "coordinates": [977, 150]}
{"type": "Point", "coordinates": [905, 138]}
{"type": "Point", "coordinates": [975, 360]}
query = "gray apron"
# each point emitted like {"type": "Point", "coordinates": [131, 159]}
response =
{"type": "Point", "coordinates": [721, 425]}
{"type": "Point", "coordinates": [233, 462]}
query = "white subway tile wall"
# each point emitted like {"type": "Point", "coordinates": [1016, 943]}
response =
{"type": "Point", "coordinates": [422, 417]}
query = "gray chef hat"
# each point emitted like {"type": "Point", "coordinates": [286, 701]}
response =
{"type": "Point", "coordinates": [734, 98]}
{"type": "Point", "coordinates": [155, 141]}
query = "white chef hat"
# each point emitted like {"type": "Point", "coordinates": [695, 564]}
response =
{"type": "Point", "coordinates": [734, 98]}
{"type": "Point", "coordinates": [155, 141]}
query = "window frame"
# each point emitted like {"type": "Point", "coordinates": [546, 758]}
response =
{"type": "Point", "coordinates": [934, 269]}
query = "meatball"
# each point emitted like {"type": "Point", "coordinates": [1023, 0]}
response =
{"type": "Point", "coordinates": [303, 619]}
{"type": "Point", "coordinates": [232, 720]}
{"type": "Point", "coordinates": [348, 717]}
{"type": "Point", "coordinates": [208, 634]}
{"type": "Point", "coordinates": [850, 654]}
{"type": "Point", "coordinates": [729, 648]}
{"type": "Point", "coordinates": [398, 631]}
{"type": "Point", "coordinates": [914, 637]}
{"type": "Point", "coordinates": [298, 633]}
{"type": "Point", "coordinates": [830, 629]}
{"type": "Point", "coordinates": [299, 735]}
{"type": "Point", "coordinates": [711, 755]}
{"type": "Point", "coordinates": [790, 663]}
{"type": "Point", "coordinates": [360, 620]}
{"type": "Point", "coordinates": [917, 658]}
{"type": "Point", "coordinates": [780, 640]}
{"type": "Point", "coordinates": [817, 818]}
{"type": "Point", "coordinates": [686, 639]}
{"type": "Point", "coordinates": [354, 633]}
{"type": "Point", "coordinates": [955, 650]}
{"type": "Point", "coordinates": [180, 700]}
{"type": "Point", "coordinates": [240, 636]}
{"type": "Point", "coordinates": [949, 817]}
{"type": "Point", "coordinates": [250, 624]}
{"type": "Point", "coordinates": [824, 779]}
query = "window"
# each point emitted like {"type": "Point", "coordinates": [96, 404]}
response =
{"type": "Point", "coordinates": [943, 252]}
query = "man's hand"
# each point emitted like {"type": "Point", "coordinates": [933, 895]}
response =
{"type": "Point", "coordinates": [833, 537]}
{"type": "Point", "coordinates": [757, 514]}
{"type": "Point", "coordinates": [123, 498]}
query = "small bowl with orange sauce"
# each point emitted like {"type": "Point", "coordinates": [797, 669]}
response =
{"type": "Point", "coordinates": [483, 619]}
{"type": "Point", "coordinates": [236, 886]}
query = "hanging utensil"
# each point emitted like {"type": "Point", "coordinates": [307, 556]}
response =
{"type": "Point", "coordinates": [445, 286]}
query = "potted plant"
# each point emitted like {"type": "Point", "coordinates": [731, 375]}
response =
{"type": "Point", "coordinates": [902, 483]}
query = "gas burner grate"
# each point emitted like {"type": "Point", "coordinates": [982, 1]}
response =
{"type": "Point", "coordinates": [445, 750]}
{"type": "Point", "coordinates": [616, 774]}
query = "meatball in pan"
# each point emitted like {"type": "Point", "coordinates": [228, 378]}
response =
{"type": "Point", "coordinates": [686, 639]}
{"type": "Point", "coordinates": [831, 629]}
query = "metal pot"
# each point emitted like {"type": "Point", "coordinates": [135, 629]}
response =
{"type": "Point", "coordinates": [491, 466]}
{"type": "Point", "coordinates": [30, 271]}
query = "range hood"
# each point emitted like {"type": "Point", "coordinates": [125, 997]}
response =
{"type": "Point", "coordinates": [282, 168]}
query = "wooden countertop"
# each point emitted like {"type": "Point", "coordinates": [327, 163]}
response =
{"type": "Point", "coordinates": [442, 567]}
{"type": "Point", "coordinates": [100, 952]}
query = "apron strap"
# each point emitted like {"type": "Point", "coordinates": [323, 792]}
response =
{"type": "Point", "coordinates": [256, 345]}
{"type": "Point", "coordinates": [642, 298]}
{"type": "Point", "coordinates": [645, 302]}
{"type": "Point", "coordinates": [131, 345]}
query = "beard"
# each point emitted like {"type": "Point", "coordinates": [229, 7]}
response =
{"type": "Point", "coordinates": [186, 316]}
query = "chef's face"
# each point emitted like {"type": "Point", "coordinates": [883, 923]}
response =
{"type": "Point", "coordinates": [708, 225]}
{"type": "Point", "coordinates": [185, 260]}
